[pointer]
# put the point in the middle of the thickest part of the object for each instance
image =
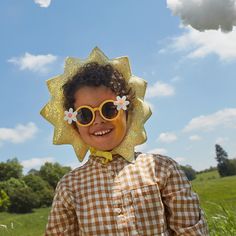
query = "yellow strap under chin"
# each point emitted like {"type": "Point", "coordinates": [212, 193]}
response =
{"type": "Point", "coordinates": [107, 155]}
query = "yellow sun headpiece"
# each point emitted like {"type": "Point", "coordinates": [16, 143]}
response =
{"type": "Point", "coordinates": [66, 134]}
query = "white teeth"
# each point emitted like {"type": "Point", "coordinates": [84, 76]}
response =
{"type": "Point", "coordinates": [100, 133]}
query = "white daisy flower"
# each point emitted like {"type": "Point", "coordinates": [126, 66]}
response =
{"type": "Point", "coordinates": [121, 103]}
{"type": "Point", "coordinates": [70, 116]}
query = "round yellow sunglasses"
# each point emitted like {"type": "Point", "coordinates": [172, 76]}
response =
{"type": "Point", "coordinates": [86, 114]}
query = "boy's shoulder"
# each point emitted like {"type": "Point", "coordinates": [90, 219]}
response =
{"type": "Point", "coordinates": [165, 167]}
{"type": "Point", "coordinates": [159, 159]}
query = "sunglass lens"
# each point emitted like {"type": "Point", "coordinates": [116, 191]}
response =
{"type": "Point", "coordinates": [84, 116]}
{"type": "Point", "coordinates": [109, 110]}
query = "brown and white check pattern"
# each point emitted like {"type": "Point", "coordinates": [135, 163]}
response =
{"type": "Point", "coordinates": [150, 196]}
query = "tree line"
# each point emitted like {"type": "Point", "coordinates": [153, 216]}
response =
{"type": "Point", "coordinates": [21, 193]}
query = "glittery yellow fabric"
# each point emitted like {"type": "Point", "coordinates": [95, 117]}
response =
{"type": "Point", "coordinates": [66, 134]}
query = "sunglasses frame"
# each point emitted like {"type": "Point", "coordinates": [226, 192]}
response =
{"type": "Point", "coordinates": [94, 109]}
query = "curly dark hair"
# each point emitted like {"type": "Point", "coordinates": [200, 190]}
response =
{"type": "Point", "coordinates": [94, 75]}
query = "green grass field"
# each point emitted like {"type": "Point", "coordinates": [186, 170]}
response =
{"type": "Point", "coordinates": [217, 196]}
{"type": "Point", "coordinates": [218, 200]}
{"type": "Point", "coordinates": [214, 190]}
{"type": "Point", "coordinates": [32, 224]}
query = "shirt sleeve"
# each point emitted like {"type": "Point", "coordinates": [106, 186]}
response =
{"type": "Point", "coordinates": [184, 215]}
{"type": "Point", "coordinates": [62, 220]}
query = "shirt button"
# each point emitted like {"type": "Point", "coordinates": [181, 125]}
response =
{"type": "Point", "coordinates": [118, 210]}
{"type": "Point", "coordinates": [126, 201]}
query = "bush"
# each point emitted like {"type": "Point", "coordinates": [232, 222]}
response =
{"type": "Point", "coordinates": [10, 168]}
{"type": "Point", "coordinates": [23, 200]}
{"type": "Point", "coordinates": [11, 184]}
{"type": "Point", "coordinates": [46, 197]}
{"type": "Point", "coordinates": [21, 197]}
{"type": "Point", "coordinates": [41, 188]}
{"type": "Point", "coordinates": [189, 171]}
{"type": "Point", "coordinates": [53, 172]}
{"type": "Point", "coordinates": [233, 166]}
{"type": "Point", "coordinates": [4, 201]}
{"type": "Point", "coordinates": [33, 172]}
{"type": "Point", "coordinates": [36, 183]}
{"type": "Point", "coordinates": [226, 167]}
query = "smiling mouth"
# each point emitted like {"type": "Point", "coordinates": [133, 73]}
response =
{"type": "Point", "coordinates": [102, 133]}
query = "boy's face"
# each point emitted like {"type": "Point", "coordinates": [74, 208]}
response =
{"type": "Point", "coordinates": [115, 130]}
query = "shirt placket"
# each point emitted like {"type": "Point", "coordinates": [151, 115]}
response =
{"type": "Point", "coordinates": [122, 206]}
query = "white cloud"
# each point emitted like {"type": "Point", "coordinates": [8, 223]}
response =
{"type": "Point", "coordinates": [167, 137]}
{"type": "Point", "coordinates": [161, 151]}
{"type": "Point", "coordinates": [19, 134]}
{"type": "Point", "coordinates": [36, 163]}
{"type": "Point", "coordinates": [160, 89]}
{"type": "Point", "coordinates": [195, 138]}
{"type": "Point", "coordinates": [36, 63]}
{"type": "Point", "coordinates": [205, 14]}
{"type": "Point", "coordinates": [200, 44]}
{"type": "Point", "coordinates": [43, 3]}
{"type": "Point", "coordinates": [222, 118]}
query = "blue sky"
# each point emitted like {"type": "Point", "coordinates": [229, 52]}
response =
{"type": "Point", "coordinates": [190, 73]}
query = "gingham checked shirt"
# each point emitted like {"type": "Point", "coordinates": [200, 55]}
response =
{"type": "Point", "coordinates": [150, 196]}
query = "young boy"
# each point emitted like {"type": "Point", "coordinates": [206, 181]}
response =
{"type": "Point", "coordinates": [98, 105]}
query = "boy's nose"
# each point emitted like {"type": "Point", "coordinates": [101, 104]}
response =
{"type": "Point", "coordinates": [98, 118]}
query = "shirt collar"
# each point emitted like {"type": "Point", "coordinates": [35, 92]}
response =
{"type": "Point", "coordinates": [116, 160]}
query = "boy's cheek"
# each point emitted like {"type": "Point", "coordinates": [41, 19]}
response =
{"type": "Point", "coordinates": [120, 125]}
